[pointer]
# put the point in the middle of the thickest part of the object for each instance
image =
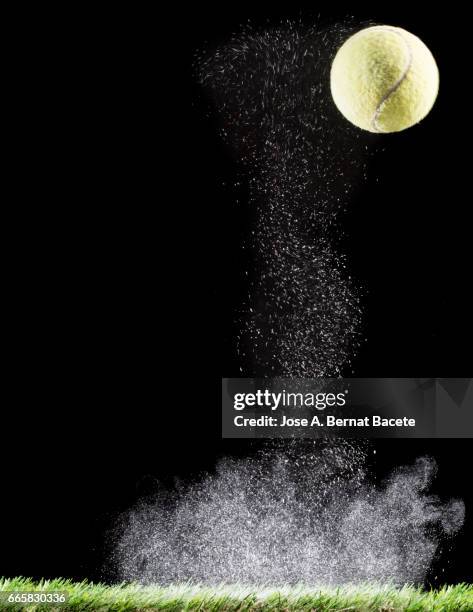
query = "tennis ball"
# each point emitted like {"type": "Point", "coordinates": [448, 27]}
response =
{"type": "Point", "coordinates": [384, 79]}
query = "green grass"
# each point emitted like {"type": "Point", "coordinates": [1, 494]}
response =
{"type": "Point", "coordinates": [133, 597]}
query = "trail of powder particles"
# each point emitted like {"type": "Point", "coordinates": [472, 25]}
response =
{"type": "Point", "coordinates": [302, 514]}
{"type": "Point", "coordinates": [302, 314]}
{"type": "Point", "coordinates": [305, 511]}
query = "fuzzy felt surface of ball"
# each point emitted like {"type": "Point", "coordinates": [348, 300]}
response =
{"type": "Point", "coordinates": [384, 79]}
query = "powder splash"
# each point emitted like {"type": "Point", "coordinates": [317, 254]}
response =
{"type": "Point", "coordinates": [307, 513]}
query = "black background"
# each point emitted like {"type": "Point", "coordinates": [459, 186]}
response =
{"type": "Point", "coordinates": [123, 236]}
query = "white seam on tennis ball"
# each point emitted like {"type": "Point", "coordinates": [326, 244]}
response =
{"type": "Point", "coordinates": [397, 84]}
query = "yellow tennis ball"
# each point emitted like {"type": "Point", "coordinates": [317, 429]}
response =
{"type": "Point", "coordinates": [384, 79]}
